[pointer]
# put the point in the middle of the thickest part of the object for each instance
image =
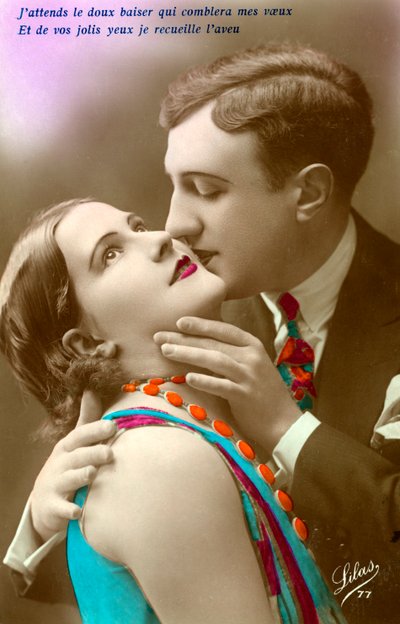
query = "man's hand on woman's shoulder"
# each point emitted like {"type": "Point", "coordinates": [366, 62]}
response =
{"type": "Point", "coordinates": [72, 464]}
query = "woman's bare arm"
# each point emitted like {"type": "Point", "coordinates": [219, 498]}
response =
{"type": "Point", "coordinates": [169, 509]}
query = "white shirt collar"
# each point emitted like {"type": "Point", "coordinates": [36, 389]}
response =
{"type": "Point", "coordinates": [319, 293]}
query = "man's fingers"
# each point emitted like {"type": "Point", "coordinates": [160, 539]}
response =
{"type": "Point", "coordinates": [223, 388]}
{"type": "Point", "coordinates": [199, 342]}
{"type": "Point", "coordinates": [91, 408]}
{"type": "Point", "coordinates": [68, 511]}
{"type": "Point", "coordinates": [215, 332]}
{"type": "Point", "coordinates": [215, 361]}
{"type": "Point", "coordinates": [72, 480]}
{"type": "Point", "coordinates": [168, 336]}
{"type": "Point", "coordinates": [87, 456]}
{"type": "Point", "coordinates": [215, 329]}
{"type": "Point", "coordinates": [91, 433]}
{"type": "Point", "coordinates": [61, 510]}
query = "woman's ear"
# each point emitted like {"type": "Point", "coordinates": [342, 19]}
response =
{"type": "Point", "coordinates": [315, 184]}
{"type": "Point", "coordinates": [78, 342]}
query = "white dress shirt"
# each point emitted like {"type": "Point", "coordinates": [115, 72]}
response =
{"type": "Point", "coordinates": [317, 297]}
{"type": "Point", "coordinates": [26, 551]}
{"type": "Point", "coordinates": [387, 427]}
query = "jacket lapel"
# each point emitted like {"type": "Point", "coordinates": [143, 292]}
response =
{"type": "Point", "coordinates": [362, 352]}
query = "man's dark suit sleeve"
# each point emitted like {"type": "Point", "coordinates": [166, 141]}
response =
{"type": "Point", "coordinates": [349, 496]}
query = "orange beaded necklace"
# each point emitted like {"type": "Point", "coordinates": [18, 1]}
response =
{"type": "Point", "coordinates": [151, 387]}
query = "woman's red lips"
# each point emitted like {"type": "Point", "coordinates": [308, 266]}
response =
{"type": "Point", "coordinates": [192, 268]}
{"type": "Point", "coordinates": [183, 268]}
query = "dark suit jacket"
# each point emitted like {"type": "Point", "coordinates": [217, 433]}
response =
{"type": "Point", "coordinates": [349, 494]}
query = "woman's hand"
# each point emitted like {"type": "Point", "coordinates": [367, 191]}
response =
{"type": "Point", "coordinates": [72, 464]}
{"type": "Point", "coordinates": [242, 373]}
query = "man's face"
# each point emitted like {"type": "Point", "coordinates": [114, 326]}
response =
{"type": "Point", "coordinates": [222, 205]}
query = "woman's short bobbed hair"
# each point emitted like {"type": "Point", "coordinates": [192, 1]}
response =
{"type": "Point", "coordinates": [37, 306]}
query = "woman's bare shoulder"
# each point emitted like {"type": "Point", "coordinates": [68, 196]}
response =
{"type": "Point", "coordinates": [155, 472]}
{"type": "Point", "coordinates": [170, 510]}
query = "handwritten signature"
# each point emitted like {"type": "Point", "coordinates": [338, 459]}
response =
{"type": "Point", "coordinates": [345, 577]}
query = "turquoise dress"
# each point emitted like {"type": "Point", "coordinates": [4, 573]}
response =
{"type": "Point", "coordinates": [107, 593]}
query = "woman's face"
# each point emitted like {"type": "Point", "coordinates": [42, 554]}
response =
{"type": "Point", "coordinates": [129, 282]}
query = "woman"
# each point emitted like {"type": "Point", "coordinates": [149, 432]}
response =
{"type": "Point", "coordinates": [183, 526]}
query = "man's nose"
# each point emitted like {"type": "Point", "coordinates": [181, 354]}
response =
{"type": "Point", "coordinates": [183, 220]}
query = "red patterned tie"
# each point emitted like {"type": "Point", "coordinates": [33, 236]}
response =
{"type": "Point", "coordinates": [295, 362]}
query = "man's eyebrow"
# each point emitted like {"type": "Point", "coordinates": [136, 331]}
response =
{"type": "Point", "coordinates": [203, 174]}
{"type": "Point", "coordinates": [200, 174]}
{"type": "Point", "coordinates": [129, 219]}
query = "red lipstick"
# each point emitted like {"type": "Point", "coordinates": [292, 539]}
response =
{"type": "Point", "coordinates": [183, 268]}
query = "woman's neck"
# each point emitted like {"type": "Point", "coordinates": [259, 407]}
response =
{"type": "Point", "coordinates": [215, 406]}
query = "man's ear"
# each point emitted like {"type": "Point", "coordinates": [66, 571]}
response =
{"type": "Point", "coordinates": [78, 342]}
{"type": "Point", "coordinates": [315, 185]}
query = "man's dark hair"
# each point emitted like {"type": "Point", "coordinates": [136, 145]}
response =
{"type": "Point", "coordinates": [304, 107]}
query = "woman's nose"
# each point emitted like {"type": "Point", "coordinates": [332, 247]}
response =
{"type": "Point", "coordinates": [161, 245]}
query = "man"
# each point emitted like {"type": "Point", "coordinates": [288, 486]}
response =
{"type": "Point", "coordinates": [265, 149]}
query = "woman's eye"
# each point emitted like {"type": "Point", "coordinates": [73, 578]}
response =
{"type": "Point", "coordinates": [110, 255]}
{"type": "Point", "coordinates": [137, 224]}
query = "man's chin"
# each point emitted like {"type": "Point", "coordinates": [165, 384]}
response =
{"type": "Point", "coordinates": [238, 291]}
{"type": "Point", "coordinates": [234, 289]}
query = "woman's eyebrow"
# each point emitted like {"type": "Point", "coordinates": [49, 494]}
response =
{"type": "Point", "coordinates": [98, 244]}
{"type": "Point", "coordinates": [130, 217]}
